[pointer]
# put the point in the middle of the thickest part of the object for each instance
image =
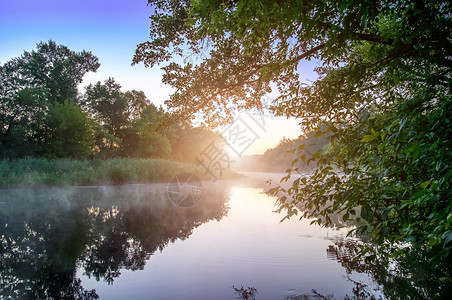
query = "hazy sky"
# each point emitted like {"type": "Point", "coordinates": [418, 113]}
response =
{"type": "Point", "coordinates": [111, 30]}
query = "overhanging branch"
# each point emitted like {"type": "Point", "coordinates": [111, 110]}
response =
{"type": "Point", "coordinates": [369, 38]}
{"type": "Point", "coordinates": [307, 53]}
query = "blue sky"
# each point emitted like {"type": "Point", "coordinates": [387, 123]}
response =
{"type": "Point", "coordinates": [111, 30]}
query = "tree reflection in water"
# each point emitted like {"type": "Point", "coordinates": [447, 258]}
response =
{"type": "Point", "coordinates": [248, 293]}
{"type": "Point", "coordinates": [410, 276]}
{"type": "Point", "coordinates": [47, 234]}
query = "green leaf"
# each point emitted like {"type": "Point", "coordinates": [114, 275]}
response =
{"type": "Point", "coordinates": [399, 187]}
{"type": "Point", "coordinates": [432, 241]}
{"type": "Point", "coordinates": [368, 138]}
{"type": "Point", "coordinates": [318, 134]}
{"type": "Point", "coordinates": [425, 184]}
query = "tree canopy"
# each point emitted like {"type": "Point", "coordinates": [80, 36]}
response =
{"type": "Point", "coordinates": [29, 86]}
{"type": "Point", "coordinates": [53, 68]}
{"type": "Point", "coordinates": [43, 114]}
{"type": "Point", "coordinates": [382, 96]}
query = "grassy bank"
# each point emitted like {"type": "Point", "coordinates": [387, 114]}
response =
{"type": "Point", "coordinates": [35, 172]}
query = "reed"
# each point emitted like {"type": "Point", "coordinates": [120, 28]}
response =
{"type": "Point", "coordinates": [35, 172]}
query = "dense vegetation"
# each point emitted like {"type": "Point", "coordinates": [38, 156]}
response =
{"type": "Point", "coordinates": [35, 172]}
{"type": "Point", "coordinates": [43, 115]}
{"type": "Point", "coordinates": [383, 93]}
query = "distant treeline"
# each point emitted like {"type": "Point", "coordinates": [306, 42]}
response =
{"type": "Point", "coordinates": [280, 158]}
{"type": "Point", "coordinates": [43, 114]}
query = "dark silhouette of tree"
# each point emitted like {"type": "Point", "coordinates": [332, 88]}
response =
{"type": "Point", "coordinates": [248, 293]}
{"type": "Point", "coordinates": [108, 107]}
{"type": "Point", "coordinates": [46, 236]}
{"type": "Point", "coordinates": [51, 67]}
{"type": "Point", "coordinates": [29, 86]}
{"type": "Point", "coordinates": [128, 124]}
{"type": "Point", "coordinates": [409, 276]}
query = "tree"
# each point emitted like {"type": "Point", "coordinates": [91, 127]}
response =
{"type": "Point", "coordinates": [283, 156]}
{"type": "Point", "coordinates": [29, 85]}
{"type": "Point", "coordinates": [113, 110]}
{"type": "Point", "coordinates": [69, 132]}
{"type": "Point", "coordinates": [53, 68]}
{"type": "Point", "coordinates": [144, 137]}
{"type": "Point", "coordinates": [129, 123]}
{"type": "Point", "coordinates": [21, 114]}
{"type": "Point", "coordinates": [383, 96]}
{"type": "Point", "coordinates": [57, 69]}
{"type": "Point", "coordinates": [190, 142]}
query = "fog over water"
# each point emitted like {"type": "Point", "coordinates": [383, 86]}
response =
{"type": "Point", "coordinates": [133, 241]}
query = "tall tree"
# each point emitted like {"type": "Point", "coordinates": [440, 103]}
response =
{"type": "Point", "coordinates": [51, 67]}
{"type": "Point", "coordinates": [113, 110]}
{"type": "Point", "coordinates": [383, 92]}
{"type": "Point", "coordinates": [32, 83]}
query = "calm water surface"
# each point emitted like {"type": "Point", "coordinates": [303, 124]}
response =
{"type": "Point", "coordinates": [132, 242]}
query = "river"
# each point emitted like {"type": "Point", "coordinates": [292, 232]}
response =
{"type": "Point", "coordinates": [132, 242]}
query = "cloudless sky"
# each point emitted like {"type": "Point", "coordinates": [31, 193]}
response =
{"type": "Point", "coordinates": [111, 30]}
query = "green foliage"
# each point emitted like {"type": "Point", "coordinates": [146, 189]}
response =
{"type": "Point", "coordinates": [52, 68]}
{"type": "Point", "coordinates": [144, 138]}
{"type": "Point", "coordinates": [402, 273]}
{"type": "Point", "coordinates": [19, 113]}
{"type": "Point", "coordinates": [70, 132]}
{"type": "Point", "coordinates": [383, 97]}
{"type": "Point", "coordinates": [108, 106]}
{"type": "Point", "coordinates": [129, 123]}
{"type": "Point", "coordinates": [29, 86]}
{"type": "Point", "coordinates": [56, 69]}
{"type": "Point", "coordinates": [41, 114]}
{"type": "Point", "coordinates": [396, 171]}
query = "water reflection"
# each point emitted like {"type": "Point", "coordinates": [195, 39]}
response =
{"type": "Point", "coordinates": [86, 243]}
{"type": "Point", "coordinates": [46, 234]}
{"type": "Point", "coordinates": [410, 276]}
{"type": "Point", "coordinates": [248, 293]}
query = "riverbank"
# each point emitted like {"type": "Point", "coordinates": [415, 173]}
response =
{"type": "Point", "coordinates": [36, 172]}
